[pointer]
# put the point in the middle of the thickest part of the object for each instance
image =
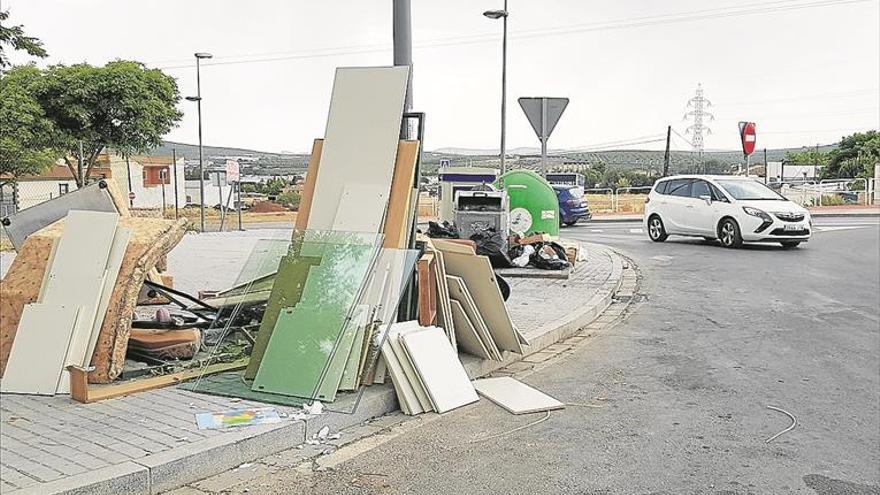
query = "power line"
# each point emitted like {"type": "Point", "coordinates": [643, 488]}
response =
{"type": "Point", "coordinates": [625, 23]}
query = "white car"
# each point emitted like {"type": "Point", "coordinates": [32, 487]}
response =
{"type": "Point", "coordinates": [728, 208]}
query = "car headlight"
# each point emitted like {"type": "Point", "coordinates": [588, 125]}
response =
{"type": "Point", "coordinates": [757, 213]}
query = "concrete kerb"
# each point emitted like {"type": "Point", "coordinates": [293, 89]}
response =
{"type": "Point", "coordinates": [172, 469]}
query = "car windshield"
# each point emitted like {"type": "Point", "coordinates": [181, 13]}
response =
{"type": "Point", "coordinates": [749, 190]}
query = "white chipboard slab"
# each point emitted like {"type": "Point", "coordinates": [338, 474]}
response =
{"type": "Point", "coordinates": [360, 141]}
{"type": "Point", "coordinates": [478, 276]}
{"type": "Point", "coordinates": [444, 377]}
{"type": "Point", "coordinates": [405, 393]}
{"type": "Point", "coordinates": [406, 364]}
{"type": "Point", "coordinates": [515, 396]}
{"type": "Point", "coordinates": [458, 291]}
{"type": "Point", "coordinates": [39, 349]}
{"type": "Point", "coordinates": [467, 337]}
{"type": "Point", "coordinates": [357, 208]}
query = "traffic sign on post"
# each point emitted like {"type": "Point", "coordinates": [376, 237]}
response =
{"type": "Point", "coordinates": [747, 136]}
{"type": "Point", "coordinates": [543, 113]}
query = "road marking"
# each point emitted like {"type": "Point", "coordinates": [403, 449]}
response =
{"type": "Point", "coordinates": [829, 229]}
{"type": "Point", "coordinates": [596, 230]}
{"type": "Point", "coordinates": [636, 231]}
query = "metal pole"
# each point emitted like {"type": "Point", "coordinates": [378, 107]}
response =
{"type": "Point", "coordinates": [163, 190]}
{"type": "Point", "coordinates": [766, 168]}
{"type": "Point", "coordinates": [402, 26]}
{"type": "Point", "coordinates": [80, 180]}
{"type": "Point", "coordinates": [666, 154]}
{"type": "Point", "coordinates": [238, 202]}
{"type": "Point", "coordinates": [504, 92]}
{"type": "Point", "coordinates": [128, 170]}
{"type": "Point", "coordinates": [220, 189]}
{"type": "Point", "coordinates": [543, 137]}
{"type": "Point", "coordinates": [174, 160]}
{"type": "Point", "coordinates": [201, 161]}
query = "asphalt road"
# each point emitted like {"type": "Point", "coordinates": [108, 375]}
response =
{"type": "Point", "coordinates": [686, 380]}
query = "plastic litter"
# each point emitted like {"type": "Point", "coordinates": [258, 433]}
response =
{"type": "Point", "coordinates": [445, 230]}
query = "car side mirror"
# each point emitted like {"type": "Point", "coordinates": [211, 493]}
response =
{"type": "Point", "coordinates": [706, 198]}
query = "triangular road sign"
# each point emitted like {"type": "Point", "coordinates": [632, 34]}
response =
{"type": "Point", "coordinates": [543, 113]}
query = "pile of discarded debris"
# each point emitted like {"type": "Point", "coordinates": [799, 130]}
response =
{"type": "Point", "coordinates": [356, 295]}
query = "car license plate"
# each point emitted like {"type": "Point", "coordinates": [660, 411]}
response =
{"type": "Point", "coordinates": [793, 226]}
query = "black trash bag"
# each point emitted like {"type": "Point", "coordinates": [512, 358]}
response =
{"type": "Point", "coordinates": [445, 230]}
{"type": "Point", "coordinates": [541, 260]}
{"type": "Point", "coordinates": [503, 286]}
{"type": "Point", "coordinates": [491, 243]}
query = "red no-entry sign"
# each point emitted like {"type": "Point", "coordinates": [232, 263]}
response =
{"type": "Point", "coordinates": [747, 136]}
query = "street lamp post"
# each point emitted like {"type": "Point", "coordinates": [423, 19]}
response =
{"type": "Point", "coordinates": [198, 99]}
{"type": "Point", "coordinates": [502, 14]}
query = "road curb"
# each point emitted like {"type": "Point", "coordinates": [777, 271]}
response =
{"type": "Point", "coordinates": [175, 468]}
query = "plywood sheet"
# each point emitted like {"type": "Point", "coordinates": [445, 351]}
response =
{"type": "Point", "coordinates": [308, 192]}
{"type": "Point", "coordinates": [39, 350]}
{"type": "Point", "coordinates": [466, 334]}
{"type": "Point", "coordinates": [477, 274]}
{"type": "Point", "coordinates": [459, 292]}
{"type": "Point", "coordinates": [398, 217]}
{"type": "Point", "coordinates": [409, 403]}
{"type": "Point", "coordinates": [450, 246]}
{"type": "Point", "coordinates": [515, 396]}
{"type": "Point", "coordinates": [444, 377]}
{"type": "Point", "coordinates": [361, 139]}
{"type": "Point", "coordinates": [446, 318]}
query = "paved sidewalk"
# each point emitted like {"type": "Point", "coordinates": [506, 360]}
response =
{"type": "Point", "coordinates": [149, 443]}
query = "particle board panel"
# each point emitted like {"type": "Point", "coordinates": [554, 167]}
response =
{"type": "Point", "coordinates": [308, 192]}
{"type": "Point", "coordinates": [406, 396]}
{"type": "Point", "coordinates": [40, 349]}
{"type": "Point", "coordinates": [356, 210]}
{"type": "Point", "coordinates": [458, 291]}
{"type": "Point", "coordinates": [427, 290]}
{"type": "Point", "coordinates": [114, 263]}
{"type": "Point", "coordinates": [446, 317]}
{"type": "Point", "coordinates": [361, 138]}
{"type": "Point", "coordinates": [406, 364]}
{"type": "Point", "coordinates": [451, 246]}
{"type": "Point", "coordinates": [477, 274]}
{"type": "Point", "coordinates": [466, 334]}
{"type": "Point", "coordinates": [445, 379]}
{"type": "Point", "coordinates": [399, 215]}
{"type": "Point", "coordinates": [515, 396]}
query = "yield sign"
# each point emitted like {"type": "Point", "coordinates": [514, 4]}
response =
{"type": "Point", "coordinates": [747, 135]}
{"type": "Point", "coordinates": [543, 113]}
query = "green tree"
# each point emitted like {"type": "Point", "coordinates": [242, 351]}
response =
{"type": "Point", "coordinates": [289, 199]}
{"type": "Point", "coordinates": [29, 142]}
{"type": "Point", "coordinates": [122, 105]}
{"type": "Point", "coordinates": [808, 156]}
{"type": "Point", "coordinates": [855, 156]}
{"type": "Point", "coordinates": [14, 37]}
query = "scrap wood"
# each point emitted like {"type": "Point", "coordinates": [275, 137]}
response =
{"type": "Point", "coordinates": [81, 391]}
{"type": "Point", "coordinates": [427, 282]}
{"type": "Point", "coordinates": [790, 427]}
{"type": "Point", "coordinates": [305, 204]}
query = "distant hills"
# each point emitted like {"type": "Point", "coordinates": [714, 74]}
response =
{"type": "Point", "coordinates": [256, 162]}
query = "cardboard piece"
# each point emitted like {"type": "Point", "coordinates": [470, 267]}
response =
{"type": "Point", "coordinates": [515, 396]}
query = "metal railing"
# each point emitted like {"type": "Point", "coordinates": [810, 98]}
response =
{"type": "Point", "coordinates": [601, 191]}
{"type": "Point", "coordinates": [847, 188]}
{"type": "Point", "coordinates": [637, 190]}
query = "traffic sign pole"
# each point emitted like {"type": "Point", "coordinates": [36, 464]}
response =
{"type": "Point", "coordinates": [543, 113]}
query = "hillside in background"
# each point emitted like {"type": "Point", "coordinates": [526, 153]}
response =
{"type": "Point", "coordinates": [266, 163]}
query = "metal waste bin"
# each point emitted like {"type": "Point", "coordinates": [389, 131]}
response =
{"type": "Point", "coordinates": [479, 210]}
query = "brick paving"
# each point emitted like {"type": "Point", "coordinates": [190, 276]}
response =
{"type": "Point", "coordinates": [44, 439]}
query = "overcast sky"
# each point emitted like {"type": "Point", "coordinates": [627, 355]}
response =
{"type": "Point", "coordinates": [804, 75]}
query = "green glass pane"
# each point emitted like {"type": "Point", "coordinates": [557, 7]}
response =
{"type": "Point", "coordinates": [306, 335]}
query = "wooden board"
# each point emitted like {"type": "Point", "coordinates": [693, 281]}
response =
{"type": "Point", "coordinates": [361, 139]}
{"type": "Point", "coordinates": [40, 348]}
{"type": "Point", "coordinates": [397, 219]}
{"type": "Point", "coordinates": [308, 192]}
{"type": "Point", "coordinates": [466, 334]}
{"type": "Point", "coordinates": [442, 374]}
{"type": "Point", "coordinates": [477, 274]}
{"type": "Point", "coordinates": [515, 396]}
{"type": "Point", "coordinates": [445, 319]}
{"type": "Point", "coordinates": [406, 395]}
{"type": "Point", "coordinates": [459, 292]}
{"type": "Point", "coordinates": [451, 246]}
{"type": "Point", "coordinates": [427, 290]}
{"type": "Point", "coordinates": [409, 371]}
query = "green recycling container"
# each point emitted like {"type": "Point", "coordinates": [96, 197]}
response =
{"type": "Point", "coordinates": [533, 204]}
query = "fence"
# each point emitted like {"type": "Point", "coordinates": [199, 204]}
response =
{"type": "Point", "coordinates": [631, 199]}
{"type": "Point", "coordinates": [831, 192]}
{"type": "Point", "coordinates": [600, 199]}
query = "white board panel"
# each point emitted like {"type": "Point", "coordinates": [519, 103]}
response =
{"type": "Point", "coordinates": [360, 142]}
{"type": "Point", "coordinates": [515, 396]}
{"type": "Point", "coordinates": [406, 364]}
{"type": "Point", "coordinates": [39, 349]}
{"type": "Point", "coordinates": [466, 334]}
{"type": "Point", "coordinates": [439, 368]}
{"type": "Point", "coordinates": [357, 208]}
{"type": "Point", "coordinates": [445, 314]}
{"type": "Point", "coordinates": [458, 291]}
{"type": "Point", "coordinates": [478, 276]}
{"type": "Point", "coordinates": [114, 264]}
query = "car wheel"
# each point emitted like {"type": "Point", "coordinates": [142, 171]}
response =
{"type": "Point", "coordinates": [656, 231]}
{"type": "Point", "coordinates": [729, 234]}
{"type": "Point", "coordinates": [790, 244]}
